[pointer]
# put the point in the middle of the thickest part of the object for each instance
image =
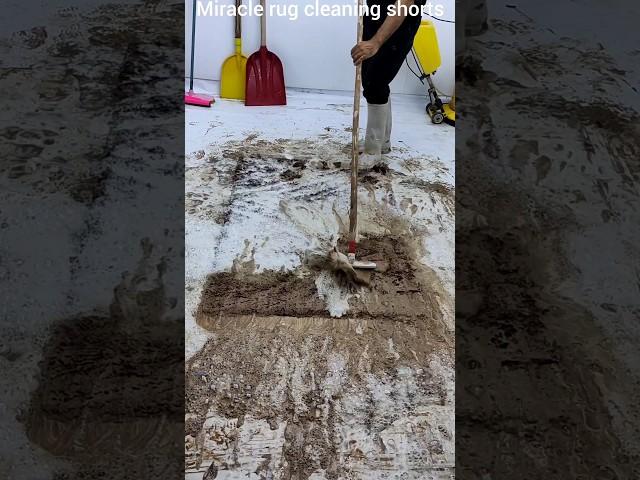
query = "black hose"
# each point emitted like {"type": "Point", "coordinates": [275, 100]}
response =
{"type": "Point", "coordinates": [422, 75]}
{"type": "Point", "coordinates": [439, 19]}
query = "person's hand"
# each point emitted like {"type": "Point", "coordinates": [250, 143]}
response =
{"type": "Point", "coordinates": [364, 50]}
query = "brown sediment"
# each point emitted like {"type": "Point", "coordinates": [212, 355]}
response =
{"type": "Point", "coordinates": [267, 293]}
{"type": "Point", "coordinates": [431, 187]}
{"type": "Point", "coordinates": [250, 369]}
{"type": "Point", "coordinates": [405, 291]}
{"type": "Point", "coordinates": [446, 193]}
{"type": "Point", "coordinates": [381, 168]}
{"type": "Point", "coordinates": [290, 175]}
{"type": "Point", "coordinates": [369, 179]}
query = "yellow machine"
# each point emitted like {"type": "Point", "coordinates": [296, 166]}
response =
{"type": "Point", "coordinates": [426, 54]}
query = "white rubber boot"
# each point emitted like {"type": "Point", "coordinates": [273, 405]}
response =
{"type": "Point", "coordinates": [375, 135]}
{"type": "Point", "coordinates": [386, 145]}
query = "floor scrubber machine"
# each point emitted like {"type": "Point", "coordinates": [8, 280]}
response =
{"type": "Point", "coordinates": [426, 54]}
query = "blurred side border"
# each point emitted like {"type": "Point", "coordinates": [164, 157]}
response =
{"type": "Point", "coordinates": [547, 183]}
{"type": "Point", "coordinates": [92, 239]}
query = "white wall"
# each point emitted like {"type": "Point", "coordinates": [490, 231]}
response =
{"type": "Point", "coordinates": [313, 50]}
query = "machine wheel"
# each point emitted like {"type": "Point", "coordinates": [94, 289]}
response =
{"type": "Point", "coordinates": [437, 118]}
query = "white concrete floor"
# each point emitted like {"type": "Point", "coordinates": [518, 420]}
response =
{"type": "Point", "coordinates": [287, 223]}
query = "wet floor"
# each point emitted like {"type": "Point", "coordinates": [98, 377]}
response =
{"type": "Point", "coordinates": [291, 371]}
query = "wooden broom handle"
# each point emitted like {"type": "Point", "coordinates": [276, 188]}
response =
{"type": "Point", "coordinates": [238, 21]}
{"type": "Point", "coordinates": [353, 211]}
{"type": "Point", "coordinates": [263, 24]}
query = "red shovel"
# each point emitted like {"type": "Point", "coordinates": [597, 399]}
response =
{"type": "Point", "coordinates": [265, 76]}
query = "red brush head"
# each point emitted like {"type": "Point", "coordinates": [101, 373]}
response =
{"type": "Point", "coordinates": [352, 246]}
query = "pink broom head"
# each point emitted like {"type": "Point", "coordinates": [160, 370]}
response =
{"type": "Point", "coordinates": [198, 99]}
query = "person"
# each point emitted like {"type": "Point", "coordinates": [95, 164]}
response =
{"type": "Point", "coordinates": [386, 41]}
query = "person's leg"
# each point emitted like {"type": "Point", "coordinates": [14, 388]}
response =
{"type": "Point", "coordinates": [376, 97]}
{"type": "Point", "coordinates": [380, 70]}
{"type": "Point", "coordinates": [377, 73]}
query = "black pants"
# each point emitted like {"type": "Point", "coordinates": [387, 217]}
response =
{"type": "Point", "coordinates": [380, 70]}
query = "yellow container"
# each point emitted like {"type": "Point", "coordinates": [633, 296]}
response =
{"type": "Point", "coordinates": [426, 46]}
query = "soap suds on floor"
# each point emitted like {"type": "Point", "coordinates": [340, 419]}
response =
{"type": "Point", "coordinates": [335, 298]}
